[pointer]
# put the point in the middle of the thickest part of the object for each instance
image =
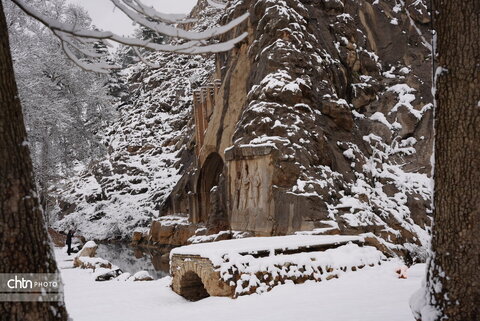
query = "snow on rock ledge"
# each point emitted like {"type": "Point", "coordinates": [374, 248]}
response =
{"type": "Point", "coordinates": [254, 245]}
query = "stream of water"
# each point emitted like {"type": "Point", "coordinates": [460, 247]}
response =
{"type": "Point", "coordinates": [132, 260]}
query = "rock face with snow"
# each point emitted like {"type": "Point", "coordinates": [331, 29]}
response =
{"type": "Point", "coordinates": [321, 122]}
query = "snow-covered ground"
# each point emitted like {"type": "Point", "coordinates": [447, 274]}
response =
{"type": "Point", "coordinates": [371, 294]}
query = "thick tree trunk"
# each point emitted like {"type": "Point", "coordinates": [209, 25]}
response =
{"type": "Point", "coordinates": [24, 245]}
{"type": "Point", "coordinates": [454, 271]}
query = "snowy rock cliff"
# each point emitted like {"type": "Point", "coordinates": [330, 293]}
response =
{"type": "Point", "coordinates": [322, 124]}
{"type": "Point", "coordinates": [342, 88]}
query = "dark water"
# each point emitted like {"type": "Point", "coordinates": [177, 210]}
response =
{"type": "Point", "coordinates": [132, 259]}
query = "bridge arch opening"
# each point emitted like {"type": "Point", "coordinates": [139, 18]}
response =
{"type": "Point", "coordinates": [209, 177]}
{"type": "Point", "coordinates": [192, 288]}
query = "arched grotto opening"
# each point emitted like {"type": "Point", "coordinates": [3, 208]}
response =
{"type": "Point", "coordinates": [209, 178]}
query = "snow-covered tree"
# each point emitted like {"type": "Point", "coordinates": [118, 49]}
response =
{"type": "Point", "coordinates": [65, 107]}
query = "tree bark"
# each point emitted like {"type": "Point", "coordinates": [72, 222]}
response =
{"type": "Point", "coordinates": [24, 243]}
{"type": "Point", "coordinates": [453, 279]}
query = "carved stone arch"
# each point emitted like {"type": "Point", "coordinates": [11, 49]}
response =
{"type": "Point", "coordinates": [192, 287]}
{"type": "Point", "coordinates": [209, 177]}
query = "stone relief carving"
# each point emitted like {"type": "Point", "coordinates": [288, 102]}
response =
{"type": "Point", "coordinates": [247, 187]}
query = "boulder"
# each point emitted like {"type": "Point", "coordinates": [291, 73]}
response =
{"type": "Point", "coordinates": [340, 114]}
{"type": "Point", "coordinates": [85, 262]}
{"type": "Point", "coordinates": [171, 232]}
{"type": "Point", "coordinates": [137, 237]}
{"type": "Point", "coordinates": [109, 275]}
{"type": "Point", "coordinates": [89, 249]}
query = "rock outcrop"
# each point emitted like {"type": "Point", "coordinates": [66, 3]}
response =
{"type": "Point", "coordinates": [322, 120]}
{"type": "Point", "coordinates": [88, 250]}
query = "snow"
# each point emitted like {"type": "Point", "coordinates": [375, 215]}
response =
{"type": "Point", "coordinates": [350, 202]}
{"type": "Point", "coordinates": [405, 98]}
{"type": "Point", "coordinates": [215, 251]}
{"type": "Point", "coordinates": [371, 294]}
{"type": "Point", "coordinates": [93, 261]}
{"type": "Point", "coordinates": [420, 307]}
{"type": "Point", "coordinates": [378, 116]}
{"type": "Point", "coordinates": [349, 153]}
{"type": "Point", "coordinates": [389, 74]}
{"type": "Point", "coordinates": [244, 270]}
{"type": "Point", "coordinates": [89, 245]}
{"type": "Point", "coordinates": [216, 4]}
{"type": "Point", "coordinates": [173, 220]}
{"type": "Point", "coordinates": [195, 239]}
{"type": "Point", "coordinates": [142, 275]}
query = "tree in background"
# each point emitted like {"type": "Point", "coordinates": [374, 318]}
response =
{"type": "Point", "coordinates": [65, 108]}
{"type": "Point", "coordinates": [452, 290]}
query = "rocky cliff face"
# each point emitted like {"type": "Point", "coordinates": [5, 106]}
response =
{"type": "Point", "coordinates": [148, 146]}
{"type": "Point", "coordinates": [323, 123]}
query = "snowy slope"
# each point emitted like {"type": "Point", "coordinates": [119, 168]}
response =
{"type": "Point", "coordinates": [372, 294]}
{"type": "Point", "coordinates": [112, 197]}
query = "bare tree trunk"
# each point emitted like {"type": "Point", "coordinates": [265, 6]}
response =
{"type": "Point", "coordinates": [454, 271]}
{"type": "Point", "coordinates": [24, 245]}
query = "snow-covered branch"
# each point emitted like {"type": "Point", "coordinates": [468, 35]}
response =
{"type": "Point", "coordinates": [150, 12]}
{"type": "Point", "coordinates": [140, 13]}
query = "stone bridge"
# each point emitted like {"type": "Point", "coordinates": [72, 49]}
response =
{"type": "Point", "coordinates": [195, 276]}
